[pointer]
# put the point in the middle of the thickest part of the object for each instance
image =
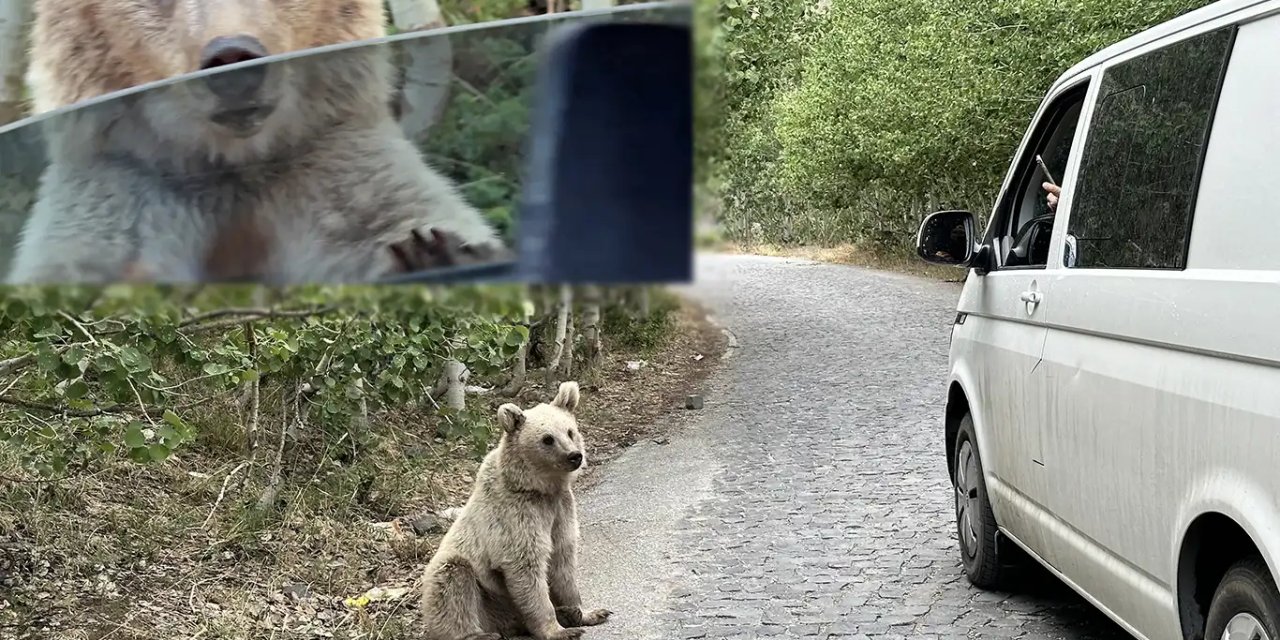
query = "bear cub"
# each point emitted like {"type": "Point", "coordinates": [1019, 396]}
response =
{"type": "Point", "coordinates": [508, 564]}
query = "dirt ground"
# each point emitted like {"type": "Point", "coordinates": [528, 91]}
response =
{"type": "Point", "coordinates": [847, 254]}
{"type": "Point", "coordinates": [128, 553]}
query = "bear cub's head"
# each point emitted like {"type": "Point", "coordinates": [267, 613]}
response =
{"type": "Point", "coordinates": [546, 436]}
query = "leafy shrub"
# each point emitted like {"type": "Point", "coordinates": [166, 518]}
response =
{"type": "Point", "coordinates": [849, 121]}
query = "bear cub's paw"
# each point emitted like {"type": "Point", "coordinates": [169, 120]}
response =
{"type": "Point", "coordinates": [595, 617]}
{"type": "Point", "coordinates": [567, 634]}
{"type": "Point", "coordinates": [576, 617]}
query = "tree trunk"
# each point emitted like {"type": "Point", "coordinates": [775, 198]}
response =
{"type": "Point", "coordinates": [251, 430]}
{"type": "Point", "coordinates": [566, 362]}
{"type": "Point", "coordinates": [15, 19]}
{"type": "Point", "coordinates": [591, 296]}
{"type": "Point", "coordinates": [562, 327]}
{"type": "Point", "coordinates": [362, 419]}
{"type": "Point", "coordinates": [638, 302]}
{"type": "Point", "coordinates": [455, 393]}
{"type": "Point", "coordinates": [427, 70]}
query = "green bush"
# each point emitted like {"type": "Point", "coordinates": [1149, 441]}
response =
{"type": "Point", "coordinates": [644, 333]}
{"type": "Point", "coordinates": [851, 120]}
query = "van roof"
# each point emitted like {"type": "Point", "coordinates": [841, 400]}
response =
{"type": "Point", "coordinates": [1157, 32]}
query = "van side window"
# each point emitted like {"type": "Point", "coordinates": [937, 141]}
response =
{"type": "Point", "coordinates": [1141, 166]}
{"type": "Point", "coordinates": [1023, 224]}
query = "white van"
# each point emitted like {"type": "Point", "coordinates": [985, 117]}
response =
{"type": "Point", "coordinates": [1114, 389]}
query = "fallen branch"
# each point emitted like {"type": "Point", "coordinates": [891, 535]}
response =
{"type": "Point", "coordinates": [13, 364]}
{"type": "Point", "coordinates": [65, 411]}
{"type": "Point", "coordinates": [222, 494]}
{"type": "Point", "coordinates": [201, 323]}
{"type": "Point", "coordinates": [272, 489]}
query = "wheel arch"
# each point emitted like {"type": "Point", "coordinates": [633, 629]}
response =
{"type": "Point", "coordinates": [1211, 543]}
{"type": "Point", "coordinates": [957, 406]}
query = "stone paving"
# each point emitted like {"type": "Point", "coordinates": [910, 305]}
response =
{"type": "Point", "coordinates": [809, 499]}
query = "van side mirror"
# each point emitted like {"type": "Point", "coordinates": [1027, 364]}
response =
{"type": "Point", "coordinates": [947, 238]}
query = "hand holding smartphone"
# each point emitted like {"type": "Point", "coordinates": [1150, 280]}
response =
{"type": "Point", "coordinates": [1045, 169]}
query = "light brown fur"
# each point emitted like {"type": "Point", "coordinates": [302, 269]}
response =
{"type": "Point", "coordinates": [148, 183]}
{"type": "Point", "coordinates": [508, 565]}
{"type": "Point", "coordinates": [86, 48]}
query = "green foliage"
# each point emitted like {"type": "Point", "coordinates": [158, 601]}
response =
{"type": "Point", "coordinates": [469, 11]}
{"type": "Point", "coordinates": [479, 140]}
{"type": "Point", "coordinates": [93, 372]}
{"type": "Point", "coordinates": [848, 121]}
{"type": "Point", "coordinates": [642, 333]}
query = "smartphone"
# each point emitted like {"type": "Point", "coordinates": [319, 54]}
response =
{"type": "Point", "coordinates": [1045, 169]}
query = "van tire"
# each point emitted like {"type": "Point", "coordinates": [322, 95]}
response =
{"type": "Point", "coordinates": [975, 522]}
{"type": "Point", "coordinates": [1247, 588]}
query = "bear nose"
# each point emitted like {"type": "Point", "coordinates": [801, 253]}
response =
{"type": "Point", "coordinates": [576, 458]}
{"type": "Point", "coordinates": [224, 50]}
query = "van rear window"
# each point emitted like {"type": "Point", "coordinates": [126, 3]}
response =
{"type": "Point", "coordinates": [1142, 158]}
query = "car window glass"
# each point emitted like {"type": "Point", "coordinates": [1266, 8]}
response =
{"type": "Point", "coordinates": [1139, 174]}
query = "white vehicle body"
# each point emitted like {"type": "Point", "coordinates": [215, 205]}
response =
{"type": "Point", "coordinates": [1126, 398]}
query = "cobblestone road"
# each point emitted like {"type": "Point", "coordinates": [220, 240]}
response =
{"type": "Point", "coordinates": [809, 498]}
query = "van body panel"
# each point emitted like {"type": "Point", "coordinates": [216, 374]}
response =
{"type": "Point", "coordinates": [1239, 175]}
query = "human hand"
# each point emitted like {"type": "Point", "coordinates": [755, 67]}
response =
{"type": "Point", "coordinates": [1054, 192]}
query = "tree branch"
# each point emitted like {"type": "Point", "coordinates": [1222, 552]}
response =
{"type": "Point", "coordinates": [65, 411]}
{"type": "Point", "coordinates": [13, 364]}
{"type": "Point", "coordinates": [201, 322]}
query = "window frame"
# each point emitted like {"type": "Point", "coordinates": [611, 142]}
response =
{"type": "Point", "coordinates": [1233, 29]}
{"type": "Point", "coordinates": [1047, 122]}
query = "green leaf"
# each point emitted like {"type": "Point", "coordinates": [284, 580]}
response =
{"type": "Point", "coordinates": [133, 360]}
{"type": "Point", "coordinates": [167, 433]}
{"type": "Point", "coordinates": [215, 368]}
{"type": "Point", "coordinates": [158, 452]}
{"type": "Point", "coordinates": [248, 375]}
{"type": "Point", "coordinates": [516, 336]}
{"type": "Point", "coordinates": [173, 419]}
{"type": "Point", "coordinates": [47, 359]}
{"type": "Point", "coordinates": [76, 390]}
{"type": "Point", "coordinates": [73, 356]}
{"type": "Point", "coordinates": [133, 436]}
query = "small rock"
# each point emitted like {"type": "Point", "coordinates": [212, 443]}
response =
{"type": "Point", "coordinates": [660, 440]}
{"type": "Point", "coordinates": [693, 402]}
{"type": "Point", "coordinates": [296, 591]}
{"type": "Point", "coordinates": [429, 523]}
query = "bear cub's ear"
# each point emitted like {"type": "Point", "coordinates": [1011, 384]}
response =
{"type": "Point", "coordinates": [567, 397]}
{"type": "Point", "coordinates": [510, 417]}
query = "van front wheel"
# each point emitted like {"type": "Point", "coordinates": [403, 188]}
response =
{"type": "Point", "coordinates": [975, 522]}
{"type": "Point", "coordinates": [1246, 605]}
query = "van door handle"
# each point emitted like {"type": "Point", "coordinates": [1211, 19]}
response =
{"type": "Point", "coordinates": [1031, 297]}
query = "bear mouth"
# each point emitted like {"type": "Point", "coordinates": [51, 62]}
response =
{"type": "Point", "coordinates": [243, 121]}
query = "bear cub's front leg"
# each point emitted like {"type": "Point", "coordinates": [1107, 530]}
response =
{"type": "Point", "coordinates": [563, 572]}
{"type": "Point", "coordinates": [532, 597]}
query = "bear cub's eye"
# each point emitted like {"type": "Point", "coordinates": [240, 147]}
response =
{"type": "Point", "coordinates": [548, 440]}
{"type": "Point", "coordinates": [571, 434]}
